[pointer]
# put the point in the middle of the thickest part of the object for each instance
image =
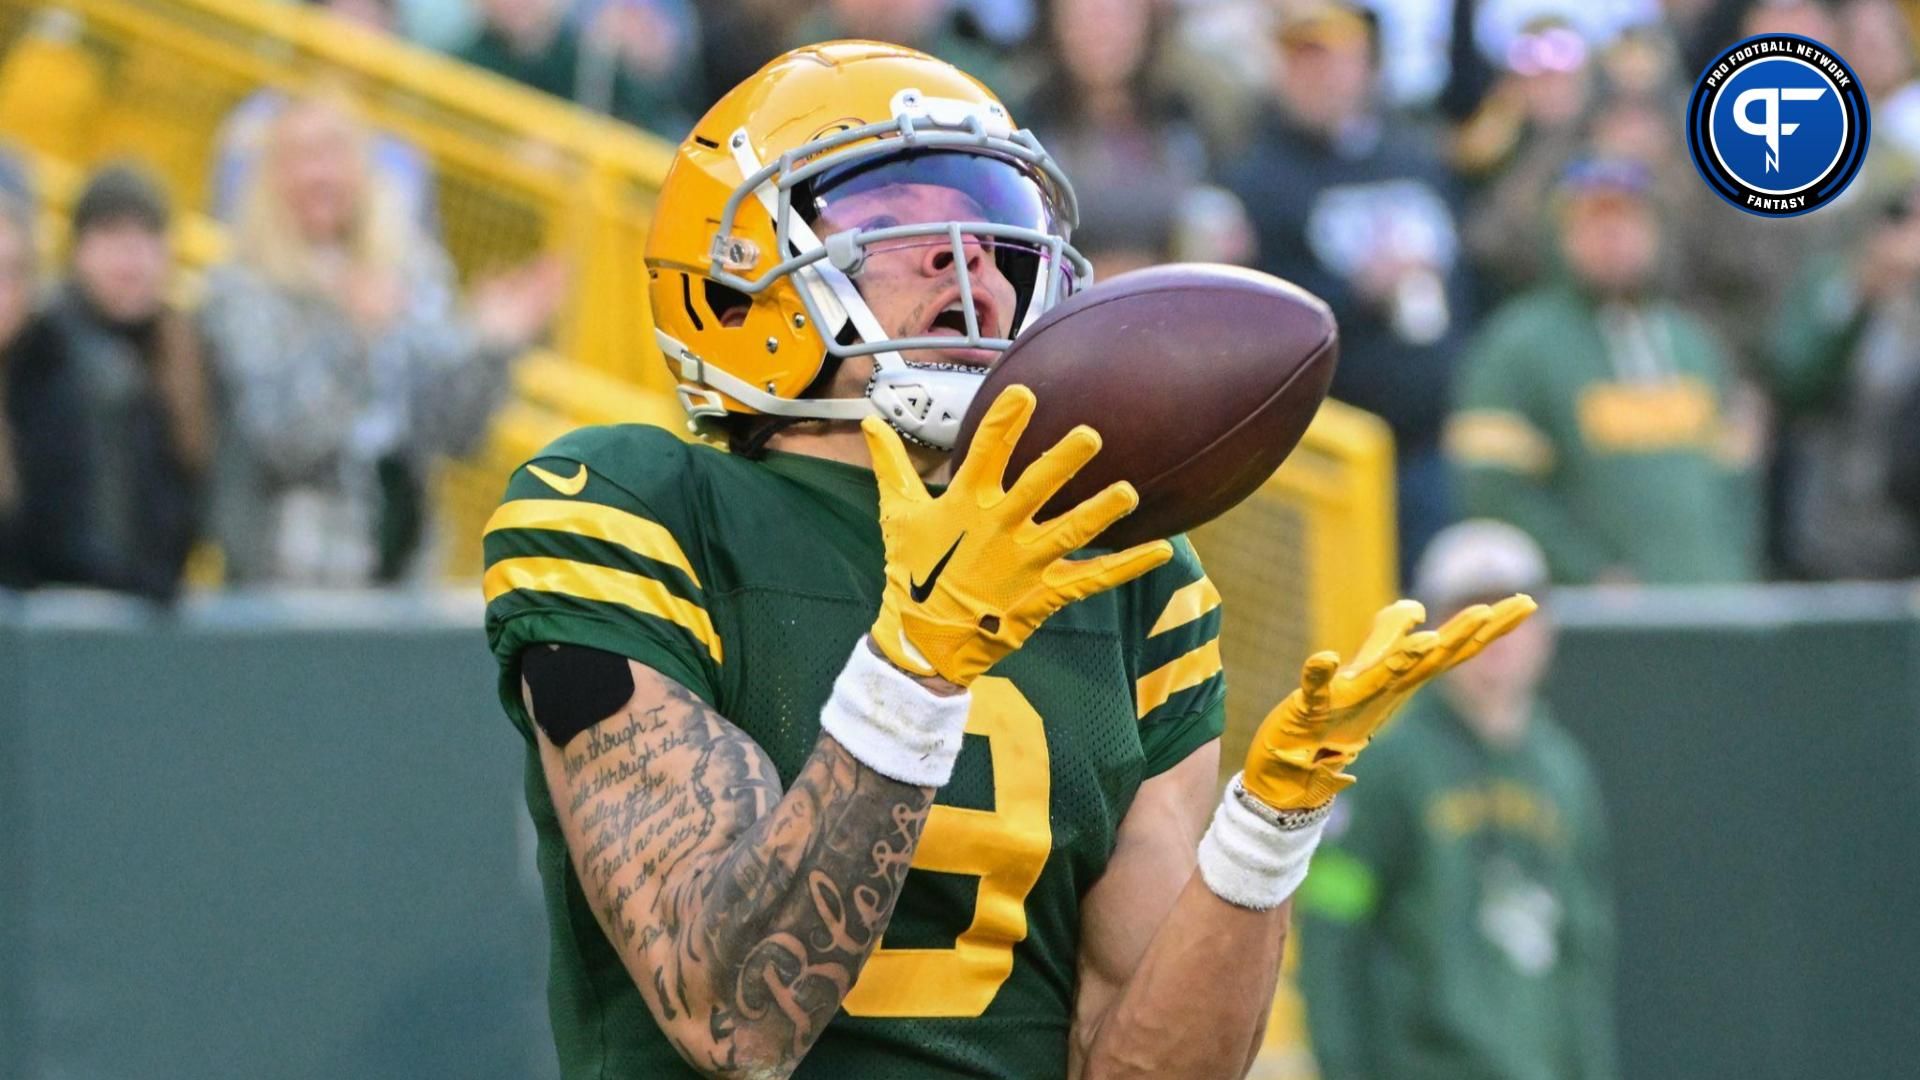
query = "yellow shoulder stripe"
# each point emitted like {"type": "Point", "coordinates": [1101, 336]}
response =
{"type": "Point", "coordinates": [604, 584]}
{"type": "Point", "coordinates": [1156, 686]}
{"type": "Point", "coordinates": [1498, 439]}
{"type": "Point", "coordinates": [1187, 603]}
{"type": "Point", "coordinates": [596, 522]}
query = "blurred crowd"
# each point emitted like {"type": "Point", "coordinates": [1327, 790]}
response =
{"type": "Point", "coordinates": [1563, 327]}
{"type": "Point", "coordinates": [286, 425]}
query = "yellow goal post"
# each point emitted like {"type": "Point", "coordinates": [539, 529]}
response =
{"type": "Point", "coordinates": [1303, 564]}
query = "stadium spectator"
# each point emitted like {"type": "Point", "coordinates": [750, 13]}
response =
{"type": "Point", "coordinates": [1638, 119]}
{"type": "Point", "coordinates": [1739, 271]}
{"type": "Point", "coordinates": [1098, 114]}
{"type": "Point", "coordinates": [1211, 225]}
{"type": "Point", "coordinates": [344, 363]}
{"type": "Point", "coordinates": [1632, 115]}
{"type": "Point", "coordinates": [932, 26]}
{"type": "Point", "coordinates": [406, 167]}
{"type": "Point", "coordinates": [737, 37]}
{"type": "Point", "coordinates": [125, 374]}
{"type": "Point", "coordinates": [1516, 146]}
{"type": "Point", "coordinates": [1221, 82]}
{"type": "Point", "coordinates": [441, 25]}
{"type": "Point", "coordinates": [43, 533]}
{"type": "Point", "coordinates": [637, 63]}
{"type": "Point", "coordinates": [1481, 36]}
{"type": "Point", "coordinates": [1878, 44]}
{"type": "Point", "coordinates": [1603, 419]}
{"type": "Point", "coordinates": [1357, 205]}
{"type": "Point", "coordinates": [528, 41]}
{"type": "Point", "coordinates": [1903, 483]}
{"type": "Point", "coordinates": [534, 42]}
{"type": "Point", "coordinates": [1739, 267]}
{"type": "Point", "coordinates": [1845, 364]}
{"type": "Point", "coordinates": [1457, 921]}
{"type": "Point", "coordinates": [1701, 28]}
{"type": "Point", "coordinates": [17, 362]}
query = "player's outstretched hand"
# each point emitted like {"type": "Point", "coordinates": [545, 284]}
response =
{"type": "Point", "coordinates": [970, 574]}
{"type": "Point", "coordinates": [1299, 756]}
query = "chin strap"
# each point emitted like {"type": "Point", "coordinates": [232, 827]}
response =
{"type": "Point", "coordinates": [925, 403]}
{"type": "Point", "coordinates": [693, 370]}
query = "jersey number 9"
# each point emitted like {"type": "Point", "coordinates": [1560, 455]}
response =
{"type": "Point", "coordinates": [1006, 848]}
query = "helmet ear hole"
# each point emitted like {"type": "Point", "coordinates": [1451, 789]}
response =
{"type": "Point", "coordinates": [729, 306]}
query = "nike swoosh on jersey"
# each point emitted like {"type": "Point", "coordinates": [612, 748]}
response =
{"type": "Point", "coordinates": [920, 590]}
{"type": "Point", "coordinates": [569, 485]}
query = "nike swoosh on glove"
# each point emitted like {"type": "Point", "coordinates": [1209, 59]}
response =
{"type": "Point", "coordinates": [970, 574]}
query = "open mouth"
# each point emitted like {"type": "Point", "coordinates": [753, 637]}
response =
{"type": "Point", "coordinates": [946, 318]}
{"type": "Point", "coordinates": [951, 320]}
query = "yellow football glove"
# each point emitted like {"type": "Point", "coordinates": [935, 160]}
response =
{"type": "Point", "coordinates": [1299, 755]}
{"type": "Point", "coordinates": [970, 574]}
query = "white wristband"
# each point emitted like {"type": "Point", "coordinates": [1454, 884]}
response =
{"type": "Point", "coordinates": [1254, 856]}
{"type": "Point", "coordinates": [893, 724]}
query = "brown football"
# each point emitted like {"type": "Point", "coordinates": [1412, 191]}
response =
{"type": "Point", "coordinates": [1199, 378]}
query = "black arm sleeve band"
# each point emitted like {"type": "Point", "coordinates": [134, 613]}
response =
{"type": "Point", "coordinates": [574, 687]}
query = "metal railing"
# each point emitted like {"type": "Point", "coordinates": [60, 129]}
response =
{"type": "Point", "coordinates": [516, 172]}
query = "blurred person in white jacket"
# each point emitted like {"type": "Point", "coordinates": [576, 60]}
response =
{"type": "Point", "coordinates": [345, 362]}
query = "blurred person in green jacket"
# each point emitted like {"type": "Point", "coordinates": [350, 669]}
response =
{"type": "Point", "coordinates": [630, 61]}
{"type": "Point", "coordinates": [1602, 418]}
{"type": "Point", "coordinates": [1456, 924]}
{"type": "Point", "coordinates": [1845, 369]}
{"type": "Point", "coordinates": [937, 27]}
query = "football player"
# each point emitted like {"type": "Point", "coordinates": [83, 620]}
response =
{"type": "Point", "coordinates": [841, 766]}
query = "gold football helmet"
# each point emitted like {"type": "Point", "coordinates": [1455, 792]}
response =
{"type": "Point", "coordinates": [750, 301]}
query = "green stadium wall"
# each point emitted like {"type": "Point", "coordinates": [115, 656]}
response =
{"type": "Point", "coordinates": [252, 843]}
{"type": "Point", "coordinates": [1760, 754]}
{"type": "Point", "coordinates": [286, 838]}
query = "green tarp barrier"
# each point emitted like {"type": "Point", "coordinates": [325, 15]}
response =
{"type": "Point", "coordinates": [251, 844]}
{"type": "Point", "coordinates": [285, 838]}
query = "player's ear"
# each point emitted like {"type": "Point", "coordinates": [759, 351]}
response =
{"type": "Point", "coordinates": [729, 306]}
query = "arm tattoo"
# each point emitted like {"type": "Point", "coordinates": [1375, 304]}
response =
{"type": "Point", "coordinates": [755, 907]}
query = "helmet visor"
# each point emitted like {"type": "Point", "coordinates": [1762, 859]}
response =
{"type": "Point", "coordinates": [907, 205]}
{"type": "Point", "coordinates": [995, 190]}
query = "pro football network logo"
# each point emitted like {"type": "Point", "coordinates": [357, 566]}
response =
{"type": "Point", "coordinates": [1777, 125]}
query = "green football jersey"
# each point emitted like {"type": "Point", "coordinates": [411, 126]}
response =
{"type": "Point", "coordinates": [749, 582]}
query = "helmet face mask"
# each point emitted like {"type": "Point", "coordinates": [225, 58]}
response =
{"type": "Point", "coordinates": [944, 183]}
{"type": "Point", "coordinates": [916, 202]}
